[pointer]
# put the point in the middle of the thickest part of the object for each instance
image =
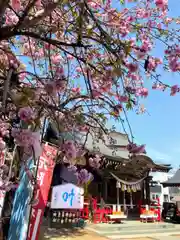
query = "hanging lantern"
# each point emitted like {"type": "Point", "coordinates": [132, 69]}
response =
{"type": "Point", "coordinates": [122, 188]}
{"type": "Point", "coordinates": [128, 189]}
{"type": "Point", "coordinates": [125, 187]}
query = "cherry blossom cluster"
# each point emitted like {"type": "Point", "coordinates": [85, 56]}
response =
{"type": "Point", "coordinates": [76, 63]}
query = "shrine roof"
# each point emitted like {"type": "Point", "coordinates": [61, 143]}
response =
{"type": "Point", "coordinates": [114, 149]}
{"type": "Point", "coordinates": [134, 168]}
{"type": "Point", "coordinates": [173, 181]}
{"type": "Point", "coordinates": [113, 146]}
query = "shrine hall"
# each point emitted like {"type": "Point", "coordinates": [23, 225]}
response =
{"type": "Point", "coordinates": [122, 179]}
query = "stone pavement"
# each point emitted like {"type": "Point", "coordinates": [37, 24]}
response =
{"type": "Point", "coordinates": [129, 230]}
{"type": "Point", "coordinates": [154, 238]}
{"type": "Point", "coordinates": [69, 235]}
{"type": "Point", "coordinates": [84, 234]}
{"type": "Point", "coordinates": [137, 230]}
{"type": "Point", "coordinates": [168, 238]}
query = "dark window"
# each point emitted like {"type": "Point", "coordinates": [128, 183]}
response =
{"type": "Point", "coordinates": [166, 198]}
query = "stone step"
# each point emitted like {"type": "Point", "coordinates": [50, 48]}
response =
{"type": "Point", "coordinates": [136, 235]}
{"type": "Point", "coordinates": [124, 226]}
{"type": "Point", "coordinates": [148, 226]}
{"type": "Point", "coordinates": [137, 231]}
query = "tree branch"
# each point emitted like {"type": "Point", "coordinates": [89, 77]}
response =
{"type": "Point", "coordinates": [25, 12]}
{"type": "Point", "coordinates": [3, 5]}
{"type": "Point", "coordinates": [40, 15]}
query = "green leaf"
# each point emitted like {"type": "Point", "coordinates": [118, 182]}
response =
{"type": "Point", "coordinates": [122, 1]}
{"type": "Point", "coordinates": [80, 118]}
{"type": "Point", "coordinates": [129, 106]}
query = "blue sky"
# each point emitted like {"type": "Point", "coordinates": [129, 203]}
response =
{"type": "Point", "coordinates": [161, 130]}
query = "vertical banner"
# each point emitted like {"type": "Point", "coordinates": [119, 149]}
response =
{"type": "Point", "coordinates": [21, 206]}
{"type": "Point", "coordinates": [44, 178]}
{"type": "Point", "coordinates": [2, 192]}
{"type": "Point", "coordinates": [2, 197]}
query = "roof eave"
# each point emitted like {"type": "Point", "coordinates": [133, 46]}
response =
{"type": "Point", "coordinates": [171, 184]}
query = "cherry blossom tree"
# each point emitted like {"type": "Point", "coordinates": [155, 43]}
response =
{"type": "Point", "coordinates": [77, 62]}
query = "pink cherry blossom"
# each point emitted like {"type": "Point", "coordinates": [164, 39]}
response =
{"type": "Point", "coordinates": [78, 69]}
{"type": "Point", "coordinates": [161, 3]}
{"type": "Point", "coordinates": [133, 67]}
{"type": "Point", "coordinates": [2, 144]}
{"type": "Point", "coordinates": [16, 4]}
{"type": "Point", "coordinates": [142, 92]}
{"type": "Point", "coordinates": [56, 59]}
{"type": "Point", "coordinates": [69, 150]}
{"type": "Point", "coordinates": [135, 149]}
{"type": "Point", "coordinates": [83, 176]}
{"type": "Point", "coordinates": [4, 128]}
{"type": "Point", "coordinates": [26, 114]}
{"type": "Point", "coordinates": [25, 137]}
{"type": "Point", "coordinates": [174, 90]}
{"type": "Point", "coordinates": [95, 162]}
{"type": "Point", "coordinates": [38, 3]}
{"type": "Point", "coordinates": [76, 90]}
{"type": "Point", "coordinates": [123, 98]}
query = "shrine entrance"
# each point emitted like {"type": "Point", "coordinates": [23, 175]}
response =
{"type": "Point", "coordinates": [126, 184]}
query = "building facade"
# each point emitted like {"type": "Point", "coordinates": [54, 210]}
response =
{"type": "Point", "coordinates": [165, 194]}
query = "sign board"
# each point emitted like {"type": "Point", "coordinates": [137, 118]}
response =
{"type": "Point", "coordinates": [67, 196]}
{"type": "Point", "coordinates": [21, 207]}
{"type": "Point", "coordinates": [44, 178]}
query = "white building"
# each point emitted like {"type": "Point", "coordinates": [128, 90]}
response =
{"type": "Point", "coordinates": [158, 191]}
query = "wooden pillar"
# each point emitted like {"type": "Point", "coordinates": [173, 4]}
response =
{"type": "Point", "coordinates": [131, 200]}
{"type": "Point", "coordinates": [117, 189]}
{"type": "Point", "coordinates": [147, 181]}
{"type": "Point", "coordinates": [105, 190]}
{"type": "Point", "coordinates": [124, 200]}
{"type": "Point", "coordinates": [117, 196]}
{"type": "Point", "coordinates": [142, 192]}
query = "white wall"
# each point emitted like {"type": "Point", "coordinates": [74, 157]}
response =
{"type": "Point", "coordinates": [160, 177]}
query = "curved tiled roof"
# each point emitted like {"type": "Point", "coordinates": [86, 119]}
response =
{"type": "Point", "coordinates": [173, 181]}
{"type": "Point", "coordinates": [113, 146]}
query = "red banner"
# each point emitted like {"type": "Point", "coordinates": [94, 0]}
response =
{"type": "Point", "coordinates": [44, 178]}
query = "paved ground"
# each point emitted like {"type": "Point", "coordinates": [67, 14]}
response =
{"type": "Point", "coordinates": [69, 235]}
{"type": "Point", "coordinates": [87, 235]}
{"type": "Point", "coordinates": [137, 230]}
{"type": "Point", "coordinates": [129, 231]}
